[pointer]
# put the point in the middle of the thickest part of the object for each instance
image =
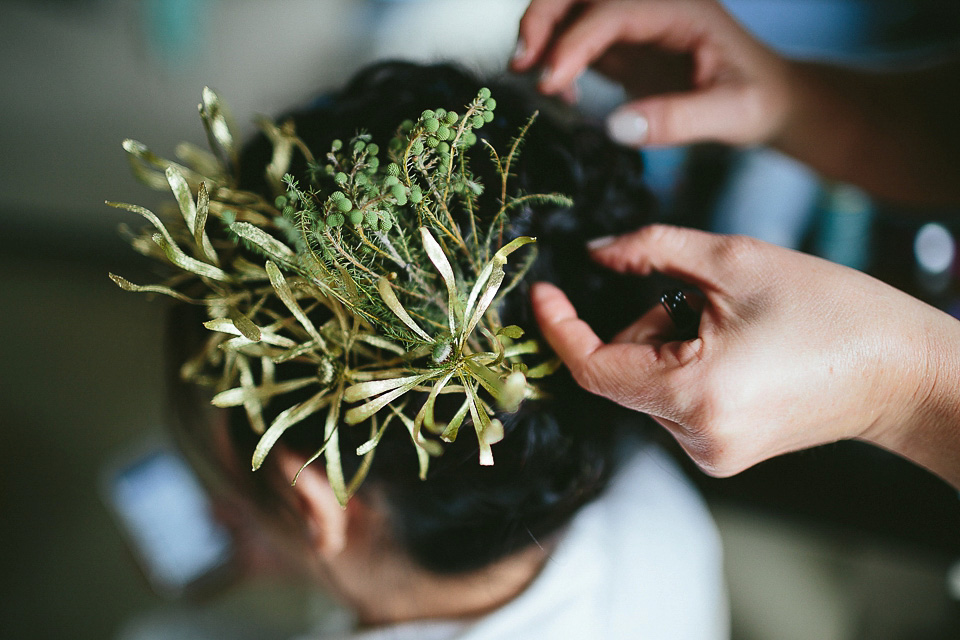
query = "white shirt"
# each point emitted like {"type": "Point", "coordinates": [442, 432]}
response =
{"type": "Point", "coordinates": [641, 561]}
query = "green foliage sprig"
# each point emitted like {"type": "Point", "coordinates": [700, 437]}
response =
{"type": "Point", "coordinates": [382, 275]}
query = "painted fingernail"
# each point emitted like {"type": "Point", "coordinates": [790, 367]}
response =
{"type": "Point", "coordinates": [599, 243]}
{"type": "Point", "coordinates": [628, 127]}
{"type": "Point", "coordinates": [520, 52]}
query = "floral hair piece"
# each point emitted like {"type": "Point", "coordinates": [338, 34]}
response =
{"type": "Point", "coordinates": [361, 271]}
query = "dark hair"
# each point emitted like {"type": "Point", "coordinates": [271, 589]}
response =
{"type": "Point", "coordinates": [558, 452]}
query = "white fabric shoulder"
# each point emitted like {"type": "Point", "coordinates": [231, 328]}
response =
{"type": "Point", "coordinates": [642, 561]}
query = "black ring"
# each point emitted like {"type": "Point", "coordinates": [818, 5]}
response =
{"type": "Point", "coordinates": [679, 310]}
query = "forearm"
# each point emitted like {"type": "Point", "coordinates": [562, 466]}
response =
{"type": "Point", "coordinates": [896, 134]}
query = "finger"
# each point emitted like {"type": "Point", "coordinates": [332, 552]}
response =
{"type": "Point", "coordinates": [536, 28]}
{"type": "Point", "coordinates": [629, 374]}
{"type": "Point", "coordinates": [721, 113]}
{"type": "Point", "coordinates": [570, 337]}
{"type": "Point", "coordinates": [602, 25]}
{"type": "Point", "coordinates": [714, 263]}
{"type": "Point", "coordinates": [654, 327]}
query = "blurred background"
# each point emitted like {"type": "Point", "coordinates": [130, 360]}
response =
{"type": "Point", "coordinates": [843, 542]}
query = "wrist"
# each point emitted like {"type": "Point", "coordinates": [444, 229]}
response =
{"type": "Point", "coordinates": [925, 425]}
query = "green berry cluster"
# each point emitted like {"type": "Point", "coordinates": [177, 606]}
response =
{"type": "Point", "coordinates": [353, 191]}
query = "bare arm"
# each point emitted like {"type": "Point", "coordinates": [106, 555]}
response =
{"type": "Point", "coordinates": [793, 351]}
{"type": "Point", "coordinates": [895, 133]}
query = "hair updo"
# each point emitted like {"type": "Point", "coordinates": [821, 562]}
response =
{"type": "Point", "coordinates": [558, 452]}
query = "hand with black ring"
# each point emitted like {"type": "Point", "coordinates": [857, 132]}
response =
{"type": "Point", "coordinates": [792, 351]}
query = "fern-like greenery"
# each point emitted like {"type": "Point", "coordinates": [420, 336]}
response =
{"type": "Point", "coordinates": [386, 284]}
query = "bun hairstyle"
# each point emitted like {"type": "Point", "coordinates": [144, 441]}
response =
{"type": "Point", "coordinates": [558, 452]}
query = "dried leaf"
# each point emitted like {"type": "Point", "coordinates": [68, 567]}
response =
{"type": "Point", "coordinates": [439, 260]}
{"type": "Point", "coordinates": [425, 415]}
{"type": "Point", "coordinates": [489, 281]}
{"type": "Point", "coordinates": [450, 432]}
{"type": "Point", "coordinates": [185, 262]}
{"type": "Point", "coordinates": [544, 369]}
{"type": "Point", "coordinates": [239, 395]}
{"type": "Point", "coordinates": [513, 390]}
{"type": "Point", "coordinates": [225, 325]}
{"type": "Point", "coordinates": [215, 123]}
{"type": "Point", "coordinates": [423, 456]}
{"type": "Point", "coordinates": [287, 419]}
{"type": "Point", "coordinates": [512, 331]}
{"type": "Point", "coordinates": [126, 285]}
{"type": "Point", "coordinates": [251, 404]}
{"type": "Point", "coordinates": [364, 411]}
{"type": "Point", "coordinates": [372, 388]}
{"type": "Point", "coordinates": [390, 298]}
{"type": "Point", "coordinates": [199, 232]}
{"type": "Point", "coordinates": [480, 424]}
{"type": "Point", "coordinates": [279, 283]}
{"type": "Point", "coordinates": [146, 213]}
{"type": "Point", "coordinates": [270, 245]}
{"type": "Point", "coordinates": [244, 325]}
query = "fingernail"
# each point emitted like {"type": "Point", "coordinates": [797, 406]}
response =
{"type": "Point", "coordinates": [628, 127]}
{"type": "Point", "coordinates": [545, 75]}
{"type": "Point", "coordinates": [599, 243]}
{"type": "Point", "coordinates": [520, 51]}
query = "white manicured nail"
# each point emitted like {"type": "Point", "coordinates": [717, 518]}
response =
{"type": "Point", "coordinates": [545, 74]}
{"type": "Point", "coordinates": [628, 127]}
{"type": "Point", "coordinates": [599, 243]}
{"type": "Point", "coordinates": [520, 51]}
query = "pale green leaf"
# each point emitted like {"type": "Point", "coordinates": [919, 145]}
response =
{"type": "Point", "coordinates": [225, 325]}
{"type": "Point", "coordinates": [199, 232]}
{"type": "Point", "coordinates": [214, 116]}
{"type": "Point", "coordinates": [331, 434]}
{"type": "Point", "coordinates": [287, 419]}
{"type": "Point", "coordinates": [146, 213]}
{"type": "Point", "coordinates": [480, 424]}
{"type": "Point", "coordinates": [512, 331]}
{"type": "Point", "coordinates": [364, 390]}
{"type": "Point", "coordinates": [237, 396]}
{"type": "Point", "coordinates": [188, 208]}
{"type": "Point", "coordinates": [425, 415]}
{"type": "Point", "coordinates": [126, 285]}
{"type": "Point", "coordinates": [251, 404]}
{"type": "Point", "coordinates": [545, 369]}
{"type": "Point", "coordinates": [280, 285]}
{"type": "Point", "coordinates": [390, 299]}
{"type": "Point", "coordinates": [245, 325]}
{"type": "Point", "coordinates": [439, 259]}
{"type": "Point", "coordinates": [453, 427]}
{"type": "Point", "coordinates": [270, 245]}
{"type": "Point", "coordinates": [179, 258]}
{"type": "Point", "coordinates": [488, 283]}
{"type": "Point", "coordinates": [364, 411]}
{"type": "Point", "coordinates": [513, 391]}
{"type": "Point", "coordinates": [423, 457]}
{"type": "Point", "coordinates": [382, 343]}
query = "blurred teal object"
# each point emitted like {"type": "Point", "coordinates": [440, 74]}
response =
{"type": "Point", "coordinates": [844, 226]}
{"type": "Point", "coordinates": [174, 30]}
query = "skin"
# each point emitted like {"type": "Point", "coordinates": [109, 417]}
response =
{"type": "Point", "coordinates": [696, 75]}
{"type": "Point", "coordinates": [351, 552]}
{"type": "Point", "coordinates": [792, 351]}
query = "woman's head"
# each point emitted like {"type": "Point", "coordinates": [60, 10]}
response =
{"type": "Point", "coordinates": [558, 451]}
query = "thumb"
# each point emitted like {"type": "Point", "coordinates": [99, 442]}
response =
{"type": "Point", "coordinates": [720, 114]}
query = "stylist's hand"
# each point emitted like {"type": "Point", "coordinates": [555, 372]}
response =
{"type": "Point", "coordinates": [793, 351]}
{"type": "Point", "coordinates": [735, 90]}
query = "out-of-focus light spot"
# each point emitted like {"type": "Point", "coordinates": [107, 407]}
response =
{"type": "Point", "coordinates": [953, 581]}
{"type": "Point", "coordinates": [934, 248]}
